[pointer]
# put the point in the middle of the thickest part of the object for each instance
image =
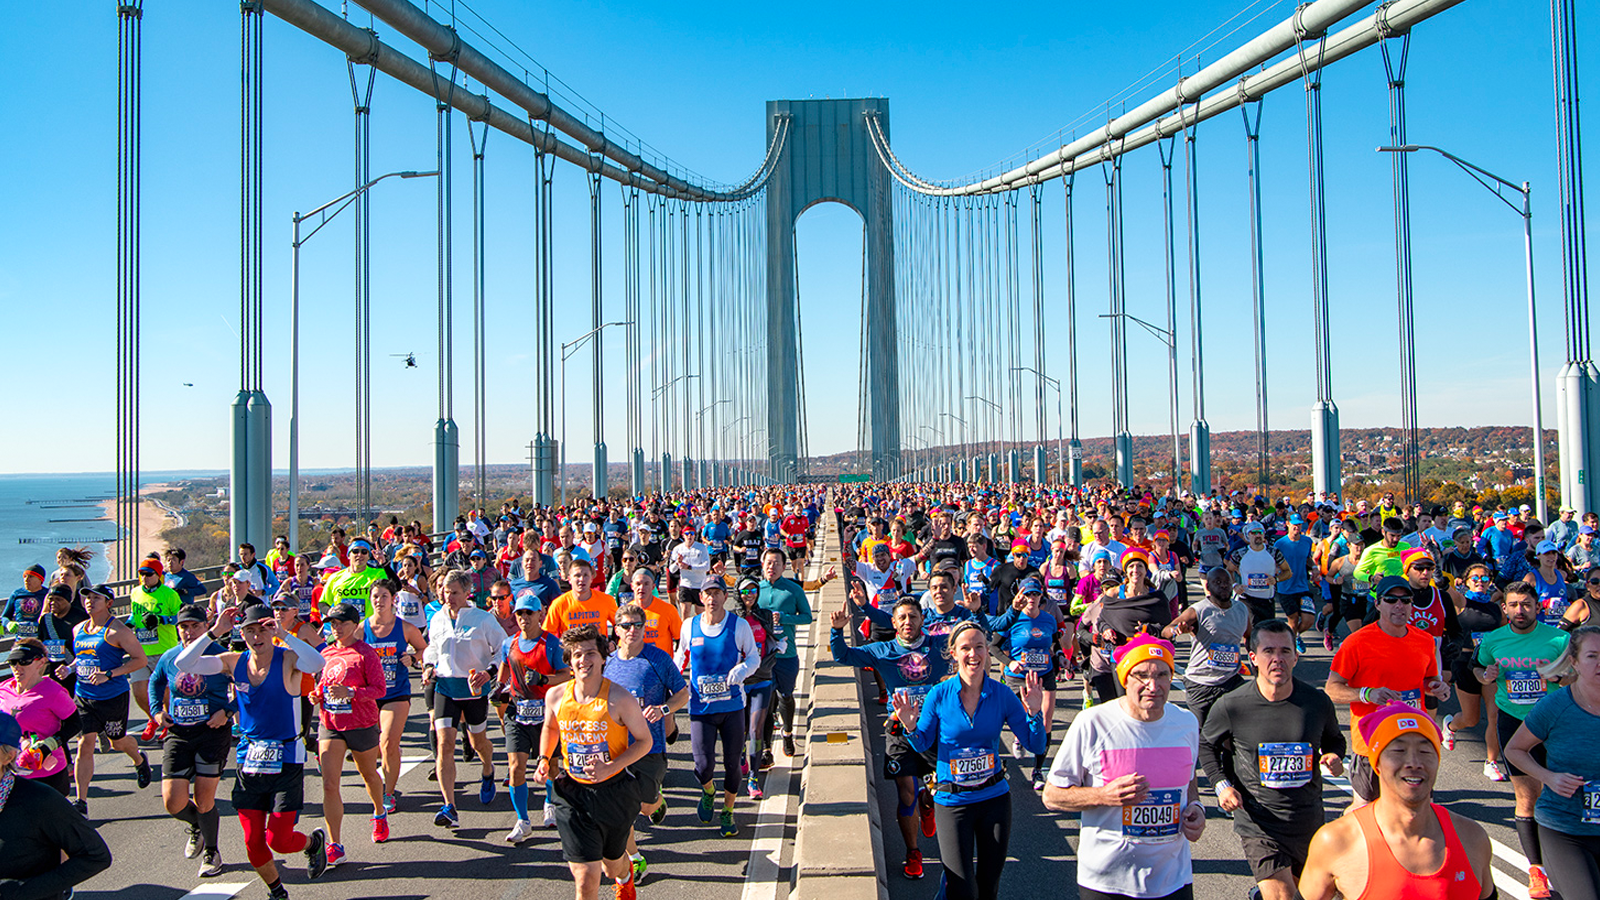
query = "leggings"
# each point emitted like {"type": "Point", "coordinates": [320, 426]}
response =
{"type": "Point", "coordinates": [978, 831]}
{"type": "Point", "coordinates": [264, 833]}
{"type": "Point", "coordinates": [758, 702]}
{"type": "Point", "coordinates": [785, 671]}
{"type": "Point", "coordinates": [1573, 863]}
{"type": "Point", "coordinates": [704, 730]}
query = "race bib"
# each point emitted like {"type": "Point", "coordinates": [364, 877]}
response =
{"type": "Point", "coordinates": [1412, 698]}
{"type": "Point", "coordinates": [530, 712]}
{"type": "Point", "coordinates": [1156, 820]}
{"type": "Point", "coordinates": [147, 635]}
{"type": "Point", "coordinates": [712, 688]}
{"type": "Point", "coordinates": [916, 693]}
{"type": "Point", "coordinates": [335, 707]}
{"type": "Point", "coordinates": [27, 628]}
{"type": "Point", "coordinates": [86, 669]}
{"type": "Point", "coordinates": [410, 605]}
{"type": "Point", "coordinates": [1477, 638]}
{"type": "Point", "coordinates": [1285, 765]}
{"type": "Point", "coordinates": [391, 671]}
{"type": "Point", "coordinates": [1223, 656]}
{"type": "Point", "coordinates": [1553, 611]}
{"type": "Point", "coordinates": [261, 757]}
{"type": "Point", "coordinates": [972, 766]}
{"type": "Point", "coordinates": [1036, 660]}
{"type": "Point", "coordinates": [56, 650]}
{"type": "Point", "coordinates": [1257, 581]}
{"type": "Point", "coordinates": [1591, 803]}
{"type": "Point", "coordinates": [1308, 604]}
{"type": "Point", "coordinates": [1524, 687]}
{"type": "Point", "coordinates": [188, 711]}
{"type": "Point", "coordinates": [582, 756]}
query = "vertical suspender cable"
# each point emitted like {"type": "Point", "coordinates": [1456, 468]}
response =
{"type": "Point", "coordinates": [1394, 66]}
{"type": "Point", "coordinates": [363, 290]}
{"type": "Point", "coordinates": [1075, 448]}
{"type": "Point", "coordinates": [596, 316]}
{"type": "Point", "coordinates": [1165, 149]}
{"type": "Point", "coordinates": [1258, 291]}
{"type": "Point", "coordinates": [1037, 196]}
{"type": "Point", "coordinates": [129, 20]}
{"type": "Point", "coordinates": [1199, 430]}
{"type": "Point", "coordinates": [480, 350]}
{"type": "Point", "coordinates": [1325, 424]}
{"type": "Point", "coordinates": [544, 329]}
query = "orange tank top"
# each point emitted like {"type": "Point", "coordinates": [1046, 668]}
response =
{"type": "Point", "coordinates": [589, 734]}
{"type": "Point", "coordinates": [1387, 879]}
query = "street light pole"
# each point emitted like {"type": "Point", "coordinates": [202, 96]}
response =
{"type": "Point", "coordinates": [963, 422]}
{"type": "Point", "coordinates": [1055, 383]}
{"type": "Point", "coordinates": [567, 349]}
{"type": "Point", "coordinates": [1478, 174]}
{"type": "Point", "coordinates": [992, 450]}
{"type": "Point", "coordinates": [294, 333]}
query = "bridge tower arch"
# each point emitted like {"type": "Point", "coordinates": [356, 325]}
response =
{"type": "Point", "coordinates": [828, 156]}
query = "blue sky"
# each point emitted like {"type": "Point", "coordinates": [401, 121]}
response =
{"type": "Point", "coordinates": [691, 79]}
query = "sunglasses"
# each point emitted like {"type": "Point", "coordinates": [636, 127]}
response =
{"type": "Point", "coordinates": [1594, 581]}
{"type": "Point", "coordinates": [1423, 567]}
{"type": "Point", "coordinates": [500, 596]}
{"type": "Point", "coordinates": [621, 626]}
{"type": "Point", "coordinates": [1405, 600]}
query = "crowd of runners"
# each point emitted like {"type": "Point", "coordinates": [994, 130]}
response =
{"type": "Point", "coordinates": [562, 654]}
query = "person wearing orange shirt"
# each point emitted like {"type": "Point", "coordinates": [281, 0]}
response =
{"type": "Point", "coordinates": [1390, 661]}
{"type": "Point", "coordinates": [662, 622]}
{"type": "Point", "coordinates": [582, 605]}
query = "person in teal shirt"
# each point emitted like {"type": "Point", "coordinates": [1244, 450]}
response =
{"type": "Point", "coordinates": [786, 600]}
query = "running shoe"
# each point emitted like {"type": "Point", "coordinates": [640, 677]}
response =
{"type": "Point", "coordinates": [1538, 884]}
{"type": "Point", "coordinates": [142, 771]}
{"type": "Point", "coordinates": [1327, 639]}
{"type": "Point", "coordinates": [486, 789]}
{"type": "Point", "coordinates": [626, 890]}
{"type": "Point", "coordinates": [744, 766]}
{"type": "Point", "coordinates": [1299, 645]}
{"type": "Point", "coordinates": [550, 815]}
{"type": "Point", "coordinates": [278, 893]}
{"type": "Point", "coordinates": [660, 814]}
{"type": "Point", "coordinates": [211, 865]}
{"type": "Point", "coordinates": [335, 854]}
{"type": "Point", "coordinates": [520, 832]}
{"type": "Point", "coordinates": [1038, 780]}
{"type": "Point", "coordinates": [913, 867]}
{"type": "Point", "coordinates": [640, 866]}
{"type": "Point", "coordinates": [380, 829]}
{"type": "Point", "coordinates": [707, 802]}
{"type": "Point", "coordinates": [766, 758]}
{"type": "Point", "coordinates": [788, 745]}
{"type": "Point", "coordinates": [191, 850]}
{"type": "Point", "coordinates": [929, 826]}
{"type": "Point", "coordinates": [446, 817]}
{"type": "Point", "coordinates": [391, 803]}
{"type": "Point", "coordinates": [317, 854]}
{"type": "Point", "coordinates": [1447, 737]}
{"type": "Point", "coordinates": [82, 806]}
{"type": "Point", "coordinates": [727, 827]}
{"type": "Point", "coordinates": [149, 732]}
{"type": "Point", "coordinates": [1494, 770]}
{"type": "Point", "coordinates": [753, 788]}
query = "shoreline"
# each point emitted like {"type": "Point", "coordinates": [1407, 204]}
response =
{"type": "Point", "coordinates": [153, 519]}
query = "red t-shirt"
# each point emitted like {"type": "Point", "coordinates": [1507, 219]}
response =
{"type": "Point", "coordinates": [794, 530]}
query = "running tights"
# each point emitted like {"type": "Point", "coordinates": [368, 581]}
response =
{"type": "Point", "coordinates": [977, 832]}
{"type": "Point", "coordinates": [757, 710]}
{"type": "Point", "coordinates": [264, 834]}
{"type": "Point", "coordinates": [1572, 862]}
{"type": "Point", "coordinates": [704, 732]}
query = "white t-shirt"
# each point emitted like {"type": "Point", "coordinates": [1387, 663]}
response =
{"type": "Point", "coordinates": [898, 572]}
{"type": "Point", "coordinates": [1137, 851]}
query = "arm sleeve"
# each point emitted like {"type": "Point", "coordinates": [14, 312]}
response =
{"type": "Point", "coordinates": [306, 657]}
{"type": "Point", "coordinates": [193, 659]}
{"type": "Point", "coordinates": [87, 856]}
{"type": "Point", "coordinates": [749, 651]}
{"type": "Point", "coordinates": [802, 613]}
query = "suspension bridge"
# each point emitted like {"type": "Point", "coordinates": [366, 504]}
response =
{"type": "Point", "coordinates": [708, 310]}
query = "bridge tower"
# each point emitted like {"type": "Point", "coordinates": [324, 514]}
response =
{"type": "Point", "coordinates": [829, 156]}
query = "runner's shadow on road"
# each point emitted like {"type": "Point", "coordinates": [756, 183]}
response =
{"type": "Point", "coordinates": [134, 892]}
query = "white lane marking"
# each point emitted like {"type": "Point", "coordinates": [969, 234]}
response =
{"type": "Point", "coordinates": [215, 891]}
{"type": "Point", "coordinates": [1507, 855]}
{"type": "Point", "coordinates": [772, 816]}
{"type": "Point", "coordinates": [407, 763]}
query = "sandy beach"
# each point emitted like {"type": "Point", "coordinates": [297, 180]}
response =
{"type": "Point", "coordinates": [152, 519]}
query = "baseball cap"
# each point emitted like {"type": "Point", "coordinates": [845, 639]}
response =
{"type": "Point", "coordinates": [1546, 547]}
{"type": "Point", "coordinates": [1586, 529]}
{"type": "Point", "coordinates": [529, 601]}
{"type": "Point", "coordinates": [1391, 583]}
{"type": "Point", "coordinates": [10, 731]}
{"type": "Point", "coordinates": [1030, 586]}
{"type": "Point", "coordinates": [342, 612]}
{"type": "Point", "coordinates": [191, 613]}
{"type": "Point", "coordinates": [242, 575]}
{"type": "Point", "coordinates": [255, 612]}
{"type": "Point", "coordinates": [1253, 528]}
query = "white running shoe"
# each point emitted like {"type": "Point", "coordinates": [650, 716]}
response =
{"type": "Point", "coordinates": [522, 831]}
{"type": "Point", "coordinates": [549, 816]}
{"type": "Point", "coordinates": [1448, 736]}
{"type": "Point", "coordinates": [1495, 771]}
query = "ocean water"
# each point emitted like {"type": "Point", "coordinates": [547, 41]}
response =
{"type": "Point", "coordinates": [34, 519]}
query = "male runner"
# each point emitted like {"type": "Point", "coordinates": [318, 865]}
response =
{"type": "Point", "coordinates": [463, 642]}
{"type": "Point", "coordinates": [1260, 746]}
{"type": "Point", "coordinates": [530, 663]}
{"type": "Point", "coordinates": [152, 610]}
{"type": "Point", "coordinates": [785, 599]}
{"type": "Point", "coordinates": [269, 790]}
{"type": "Point", "coordinates": [1402, 844]}
{"type": "Point", "coordinates": [353, 583]}
{"type": "Point", "coordinates": [596, 730]}
{"type": "Point", "coordinates": [195, 711]}
{"type": "Point", "coordinates": [582, 605]}
{"type": "Point", "coordinates": [1257, 569]}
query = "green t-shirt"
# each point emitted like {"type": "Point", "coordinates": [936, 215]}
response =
{"type": "Point", "coordinates": [351, 587]}
{"type": "Point", "coordinates": [163, 603]}
{"type": "Point", "coordinates": [1519, 657]}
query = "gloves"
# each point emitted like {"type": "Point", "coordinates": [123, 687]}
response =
{"type": "Point", "coordinates": [150, 620]}
{"type": "Point", "coordinates": [32, 756]}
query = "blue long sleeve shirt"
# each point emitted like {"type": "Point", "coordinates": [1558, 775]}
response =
{"type": "Point", "coordinates": [910, 670]}
{"type": "Point", "coordinates": [970, 767]}
{"type": "Point", "coordinates": [1029, 641]}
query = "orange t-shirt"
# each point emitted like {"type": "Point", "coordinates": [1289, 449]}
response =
{"type": "Point", "coordinates": [600, 610]}
{"type": "Point", "coordinates": [662, 625]}
{"type": "Point", "coordinates": [1371, 658]}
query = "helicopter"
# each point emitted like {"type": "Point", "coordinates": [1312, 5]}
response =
{"type": "Point", "coordinates": [410, 358]}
